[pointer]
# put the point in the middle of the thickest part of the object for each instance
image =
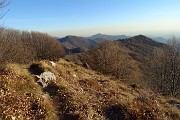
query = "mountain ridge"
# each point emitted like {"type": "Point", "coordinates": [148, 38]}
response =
{"type": "Point", "coordinates": [108, 37]}
{"type": "Point", "coordinates": [81, 43]}
{"type": "Point", "coordinates": [141, 46]}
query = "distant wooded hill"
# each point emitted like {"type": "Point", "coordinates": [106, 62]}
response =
{"type": "Point", "coordinates": [75, 44]}
{"type": "Point", "coordinates": [141, 46]}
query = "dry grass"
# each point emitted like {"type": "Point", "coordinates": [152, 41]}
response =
{"type": "Point", "coordinates": [78, 94]}
{"type": "Point", "coordinates": [21, 97]}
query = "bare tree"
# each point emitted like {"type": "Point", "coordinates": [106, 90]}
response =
{"type": "Point", "coordinates": [3, 4]}
{"type": "Point", "coordinates": [164, 69]}
{"type": "Point", "coordinates": [111, 58]}
{"type": "Point", "coordinates": [23, 47]}
{"type": "Point", "coordinates": [45, 46]}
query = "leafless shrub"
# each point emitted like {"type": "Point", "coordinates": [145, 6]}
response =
{"type": "Point", "coordinates": [23, 47]}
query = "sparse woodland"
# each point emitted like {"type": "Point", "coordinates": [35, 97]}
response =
{"type": "Point", "coordinates": [164, 70]}
{"type": "Point", "coordinates": [158, 68]}
{"type": "Point", "coordinates": [161, 68]}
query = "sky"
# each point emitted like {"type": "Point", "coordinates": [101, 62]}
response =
{"type": "Point", "coordinates": [87, 17]}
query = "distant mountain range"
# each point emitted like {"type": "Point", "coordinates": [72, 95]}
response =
{"type": "Point", "coordinates": [160, 39]}
{"type": "Point", "coordinates": [108, 37]}
{"type": "Point", "coordinates": [100, 36]}
{"type": "Point", "coordinates": [178, 45]}
{"type": "Point", "coordinates": [75, 44]}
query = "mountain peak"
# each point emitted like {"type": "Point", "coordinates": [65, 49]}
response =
{"type": "Point", "coordinates": [143, 40]}
{"type": "Point", "coordinates": [108, 37]}
{"type": "Point", "coordinates": [141, 45]}
{"type": "Point", "coordinates": [71, 36]}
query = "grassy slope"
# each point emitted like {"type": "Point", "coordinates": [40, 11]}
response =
{"type": "Point", "coordinates": [79, 93]}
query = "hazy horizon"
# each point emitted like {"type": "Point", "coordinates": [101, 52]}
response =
{"type": "Point", "coordinates": [170, 36]}
{"type": "Point", "coordinates": [88, 17]}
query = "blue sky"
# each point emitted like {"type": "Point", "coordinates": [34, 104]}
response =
{"type": "Point", "coordinates": [87, 17]}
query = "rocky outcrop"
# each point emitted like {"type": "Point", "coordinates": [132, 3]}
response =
{"type": "Point", "coordinates": [45, 78]}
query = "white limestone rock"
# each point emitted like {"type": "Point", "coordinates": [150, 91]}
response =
{"type": "Point", "coordinates": [45, 78]}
